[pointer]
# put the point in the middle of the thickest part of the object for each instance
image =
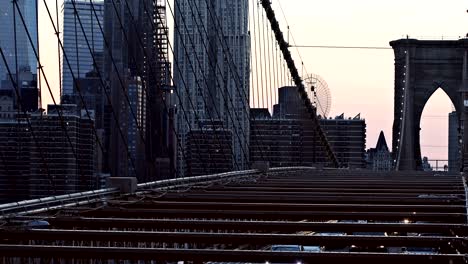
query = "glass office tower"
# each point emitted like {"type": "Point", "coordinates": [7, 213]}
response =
{"type": "Point", "coordinates": [14, 41]}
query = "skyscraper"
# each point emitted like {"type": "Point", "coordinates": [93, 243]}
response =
{"type": "Point", "coordinates": [15, 43]}
{"type": "Point", "coordinates": [76, 49]}
{"type": "Point", "coordinates": [137, 36]}
{"type": "Point", "coordinates": [211, 71]}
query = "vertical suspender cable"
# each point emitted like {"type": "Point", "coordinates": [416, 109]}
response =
{"type": "Point", "coordinates": [298, 81]}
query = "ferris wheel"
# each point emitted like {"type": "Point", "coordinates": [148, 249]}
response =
{"type": "Point", "coordinates": [319, 93]}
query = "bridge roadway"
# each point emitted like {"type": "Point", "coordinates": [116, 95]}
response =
{"type": "Point", "coordinates": [348, 216]}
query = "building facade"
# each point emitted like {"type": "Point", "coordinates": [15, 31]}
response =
{"type": "Point", "coordinates": [19, 51]}
{"type": "Point", "coordinates": [91, 98]}
{"type": "Point", "coordinates": [15, 142]}
{"type": "Point", "coordinates": [136, 123]}
{"type": "Point", "coordinates": [14, 39]}
{"type": "Point", "coordinates": [77, 59]}
{"type": "Point", "coordinates": [208, 151]}
{"type": "Point", "coordinates": [137, 35]}
{"type": "Point", "coordinates": [66, 163]}
{"type": "Point", "coordinates": [347, 138]}
{"type": "Point", "coordinates": [290, 138]}
{"type": "Point", "coordinates": [284, 143]}
{"type": "Point", "coordinates": [46, 154]}
{"type": "Point", "coordinates": [380, 157]}
{"type": "Point", "coordinates": [211, 72]}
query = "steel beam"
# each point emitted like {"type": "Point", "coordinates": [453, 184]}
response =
{"type": "Point", "coordinates": [227, 238]}
{"type": "Point", "coordinates": [309, 198]}
{"type": "Point", "coordinates": [99, 253]}
{"type": "Point", "coordinates": [290, 206]}
{"type": "Point", "coordinates": [277, 215]}
{"type": "Point", "coordinates": [280, 189]}
{"type": "Point", "coordinates": [260, 226]}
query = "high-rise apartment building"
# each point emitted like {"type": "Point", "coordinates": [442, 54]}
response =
{"type": "Point", "coordinates": [211, 72]}
{"type": "Point", "coordinates": [136, 123]}
{"type": "Point", "coordinates": [81, 28]}
{"type": "Point", "coordinates": [45, 154]}
{"type": "Point", "coordinates": [347, 138]}
{"type": "Point", "coordinates": [19, 50]}
{"type": "Point", "coordinates": [62, 152]}
{"type": "Point", "coordinates": [137, 35]}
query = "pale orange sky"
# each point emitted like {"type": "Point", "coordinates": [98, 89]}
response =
{"type": "Point", "coordinates": [361, 81]}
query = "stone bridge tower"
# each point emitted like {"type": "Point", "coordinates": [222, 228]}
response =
{"type": "Point", "coordinates": [422, 67]}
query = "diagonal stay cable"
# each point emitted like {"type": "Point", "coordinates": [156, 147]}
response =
{"type": "Point", "coordinates": [176, 91]}
{"type": "Point", "coordinates": [139, 38]}
{"type": "Point", "coordinates": [74, 78]}
{"type": "Point", "coordinates": [222, 38]}
{"type": "Point", "coordinates": [230, 64]}
{"type": "Point", "coordinates": [30, 127]}
{"type": "Point", "coordinates": [197, 83]}
{"type": "Point", "coordinates": [59, 113]}
{"type": "Point", "coordinates": [215, 66]}
{"type": "Point", "coordinates": [105, 90]}
{"type": "Point", "coordinates": [122, 86]}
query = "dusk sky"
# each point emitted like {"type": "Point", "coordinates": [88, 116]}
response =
{"type": "Point", "coordinates": [361, 81]}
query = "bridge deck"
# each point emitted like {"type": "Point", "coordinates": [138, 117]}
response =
{"type": "Point", "coordinates": [357, 216]}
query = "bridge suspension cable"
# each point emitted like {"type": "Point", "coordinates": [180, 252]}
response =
{"type": "Point", "coordinates": [297, 80]}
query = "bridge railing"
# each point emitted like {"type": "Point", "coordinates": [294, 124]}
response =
{"type": "Point", "coordinates": [46, 204]}
{"type": "Point", "coordinates": [54, 202]}
{"type": "Point", "coordinates": [439, 165]}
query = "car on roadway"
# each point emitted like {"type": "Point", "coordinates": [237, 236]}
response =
{"type": "Point", "coordinates": [286, 248]}
{"type": "Point", "coordinates": [419, 250]}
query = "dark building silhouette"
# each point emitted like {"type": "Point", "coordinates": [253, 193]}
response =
{"type": "Point", "coordinates": [209, 151]}
{"type": "Point", "coordinates": [284, 143]}
{"type": "Point", "coordinates": [347, 137]}
{"type": "Point", "coordinates": [46, 154]}
{"type": "Point", "coordinates": [26, 83]}
{"type": "Point", "coordinates": [138, 49]}
{"type": "Point", "coordinates": [62, 153]}
{"type": "Point", "coordinates": [15, 142]}
{"type": "Point", "coordinates": [289, 137]}
{"type": "Point", "coordinates": [380, 157]}
{"type": "Point", "coordinates": [90, 96]}
{"type": "Point", "coordinates": [224, 55]}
